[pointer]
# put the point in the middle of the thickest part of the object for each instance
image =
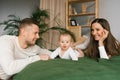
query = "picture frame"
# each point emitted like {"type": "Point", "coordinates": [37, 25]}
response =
{"type": "Point", "coordinates": [73, 22]}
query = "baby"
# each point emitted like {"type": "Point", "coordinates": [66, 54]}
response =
{"type": "Point", "coordinates": [65, 50]}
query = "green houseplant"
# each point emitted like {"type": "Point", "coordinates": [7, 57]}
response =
{"type": "Point", "coordinates": [12, 24]}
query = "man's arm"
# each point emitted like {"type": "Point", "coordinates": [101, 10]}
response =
{"type": "Point", "coordinates": [9, 63]}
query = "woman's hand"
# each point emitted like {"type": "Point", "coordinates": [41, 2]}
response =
{"type": "Point", "coordinates": [104, 36]}
{"type": "Point", "coordinates": [81, 54]}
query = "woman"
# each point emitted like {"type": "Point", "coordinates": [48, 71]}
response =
{"type": "Point", "coordinates": [102, 43]}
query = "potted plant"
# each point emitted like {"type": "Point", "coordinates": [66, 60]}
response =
{"type": "Point", "coordinates": [11, 25]}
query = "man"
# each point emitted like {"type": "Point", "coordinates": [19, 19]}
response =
{"type": "Point", "coordinates": [17, 52]}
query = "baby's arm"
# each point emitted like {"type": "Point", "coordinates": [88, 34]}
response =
{"type": "Point", "coordinates": [73, 55]}
{"type": "Point", "coordinates": [54, 54]}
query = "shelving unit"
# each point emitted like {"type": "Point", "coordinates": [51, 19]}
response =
{"type": "Point", "coordinates": [81, 12]}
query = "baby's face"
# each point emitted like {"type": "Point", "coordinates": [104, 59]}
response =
{"type": "Point", "coordinates": [65, 42]}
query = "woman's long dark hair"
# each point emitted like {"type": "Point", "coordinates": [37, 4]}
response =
{"type": "Point", "coordinates": [112, 46]}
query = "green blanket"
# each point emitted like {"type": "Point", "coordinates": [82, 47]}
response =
{"type": "Point", "coordinates": [60, 69]}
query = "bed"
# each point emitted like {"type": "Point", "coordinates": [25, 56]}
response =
{"type": "Point", "coordinates": [61, 69]}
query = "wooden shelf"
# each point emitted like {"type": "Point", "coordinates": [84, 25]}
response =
{"type": "Point", "coordinates": [79, 10]}
{"type": "Point", "coordinates": [78, 1]}
{"type": "Point", "coordinates": [85, 26]}
{"type": "Point", "coordinates": [81, 14]}
{"type": "Point", "coordinates": [76, 30]}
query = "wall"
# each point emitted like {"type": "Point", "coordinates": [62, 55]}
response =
{"type": "Point", "coordinates": [109, 9]}
{"type": "Point", "coordinates": [21, 8]}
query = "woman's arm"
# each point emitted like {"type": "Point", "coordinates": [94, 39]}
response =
{"type": "Point", "coordinates": [103, 53]}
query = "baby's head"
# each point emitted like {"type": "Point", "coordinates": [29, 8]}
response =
{"type": "Point", "coordinates": [66, 40]}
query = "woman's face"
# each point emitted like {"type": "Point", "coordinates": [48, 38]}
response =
{"type": "Point", "coordinates": [97, 31]}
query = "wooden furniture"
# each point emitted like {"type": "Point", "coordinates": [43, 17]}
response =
{"type": "Point", "coordinates": [76, 30]}
{"type": "Point", "coordinates": [79, 14]}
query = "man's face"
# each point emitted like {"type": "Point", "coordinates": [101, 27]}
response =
{"type": "Point", "coordinates": [31, 34]}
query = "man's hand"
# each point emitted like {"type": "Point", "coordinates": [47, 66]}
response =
{"type": "Point", "coordinates": [44, 56]}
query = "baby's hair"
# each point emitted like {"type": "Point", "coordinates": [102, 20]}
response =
{"type": "Point", "coordinates": [69, 33]}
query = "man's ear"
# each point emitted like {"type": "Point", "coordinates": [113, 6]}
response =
{"type": "Point", "coordinates": [23, 31]}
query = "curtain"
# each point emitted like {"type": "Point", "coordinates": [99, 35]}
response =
{"type": "Point", "coordinates": [57, 12]}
